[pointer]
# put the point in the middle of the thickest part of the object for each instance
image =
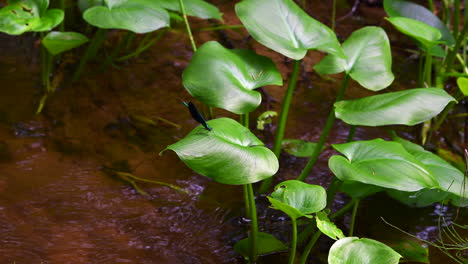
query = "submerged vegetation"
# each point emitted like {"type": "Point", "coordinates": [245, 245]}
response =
{"type": "Point", "coordinates": [226, 149]}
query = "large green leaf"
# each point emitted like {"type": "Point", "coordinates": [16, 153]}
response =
{"type": "Point", "coordinates": [398, 8]}
{"type": "Point", "coordinates": [21, 16]}
{"type": "Point", "coordinates": [139, 16]}
{"type": "Point", "coordinates": [369, 60]}
{"type": "Point", "coordinates": [426, 35]}
{"type": "Point", "coordinates": [284, 27]}
{"type": "Point", "coordinates": [450, 179]}
{"type": "Point", "coordinates": [58, 42]}
{"type": "Point", "coordinates": [421, 198]}
{"type": "Point", "coordinates": [409, 107]}
{"type": "Point", "coordinates": [328, 227]}
{"type": "Point", "coordinates": [226, 78]}
{"type": "Point", "coordinates": [198, 8]}
{"type": "Point", "coordinates": [353, 250]}
{"type": "Point", "coordinates": [229, 153]}
{"type": "Point", "coordinates": [381, 163]}
{"type": "Point", "coordinates": [359, 190]}
{"type": "Point", "coordinates": [297, 198]}
{"type": "Point", "coordinates": [267, 244]}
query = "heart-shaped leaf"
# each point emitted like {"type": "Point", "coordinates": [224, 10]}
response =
{"type": "Point", "coordinates": [58, 42]}
{"type": "Point", "coordinates": [398, 8]}
{"type": "Point", "coordinates": [21, 16]}
{"type": "Point", "coordinates": [409, 107]}
{"type": "Point", "coordinates": [226, 78]}
{"type": "Point", "coordinates": [353, 250]}
{"type": "Point", "coordinates": [284, 27]}
{"type": "Point", "coordinates": [369, 60]}
{"type": "Point", "coordinates": [198, 8]}
{"type": "Point", "coordinates": [297, 198]}
{"type": "Point", "coordinates": [267, 244]}
{"type": "Point", "coordinates": [462, 83]}
{"type": "Point", "coordinates": [426, 35]}
{"type": "Point", "coordinates": [381, 163]}
{"type": "Point", "coordinates": [299, 148]}
{"type": "Point", "coordinates": [139, 16]}
{"type": "Point", "coordinates": [228, 154]}
{"type": "Point", "coordinates": [328, 227]}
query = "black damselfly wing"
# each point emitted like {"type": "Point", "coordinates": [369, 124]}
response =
{"type": "Point", "coordinates": [197, 115]}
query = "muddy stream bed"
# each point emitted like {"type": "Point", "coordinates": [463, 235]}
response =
{"type": "Point", "coordinates": [58, 206]}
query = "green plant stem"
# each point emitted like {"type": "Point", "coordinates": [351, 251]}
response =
{"type": "Point", "coordinates": [144, 45]}
{"type": "Point", "coordinates": [63, 7]}
{"type": "Point", "coordinates": [128, 45]}
{"type": "Point", "coordinates": [456, 18]}
{"type": "Point", "coordinates": [431, 5]}
{"type": "Point", "coordinates": [353, 218]}
{"type": "Point", "coordinates": [309, 247]}
{"type": "Point", "coordinates": [323, 137]}
{"type": "Point", "coordinates": [90, 52]}
{"type": "Point", "coordinates": [253, 225]}
{"type": "Point", "coordinates": [343, 210]}
{"type": "Point", "coordinates": [333, 15]}
{"type": "Point", "coordinates": [427, 75]}
{"type": "Point", "coordinates": [246, 201]}
{"type": "Point", "coordinates": [283, 118]}
{"type": "Point", "coordinates": [115, 51]}
{"type": "Point", "coordinates": [453, 52]}
{"type": "Point", "coordinates": [187, 25]}
{"type": "Point", "coordinates": [292, 256]}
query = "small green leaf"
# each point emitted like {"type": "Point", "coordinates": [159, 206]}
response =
{"type": "Point", "coordinates": [398, 8]}
{"type": "Point", "coordinates": [296, 198]}
{"type": "Point", "coordinates": [21, 16]}
{"type": "Point", "coordinates": [228, 154]}
{"type": "Point", "coordinates": [197, 8]}
{"type": "Point", "coordinates": [267, 244]}
{"type": "Point", "coordinates": [409, 107]}
{"type": "Point", "coordinates": [369, 60]}
{"type": "Point", "coordinates": [463, 85]}
{"type": "Point", "coordinates": [139, 16]}
{"type": "Point", "coordinates": [299, 148]}
{"type": "Point", "coordinates": [328, 227]}
{"type": "Point", "coordinates": [382, 163]}
{"type": "Point", "coordinates": [58, 42]}
{"type": "Point", "coordinates": [410, 250]}
{"type": "Point", "coordinates": [353, 250]}
{"type": "Point", "coordinates": [426, 35]}
{"type": "Point", "coordinates": [265, 118]}
{"type": "Point", "coordinates": [284, 27]}
{"type": "Point", "coordinates": [226, 78]}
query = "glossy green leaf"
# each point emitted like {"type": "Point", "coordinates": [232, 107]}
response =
{"type": "Point", "coordinates": [409, 107]}
{"type": "Point", "coordinates": [297, 198]}
{"type": "Point", "coordinates": [421, 198]}
{"type": "Point", "coordinates": [426, 35]}
{"type": "Point", "coordinates": [398, 8]}
{"type": "Point", "coordinates": [359, 190]}
{"type": "Point", "coordinates": [450, 179]}
{"type": "Point", "coordinates": [299, 148]}
{"type": "Point", "coordinates": [139, 16]}
{"type": "Point", "coordinates": [369, 60]}
{"type": "Point", "coordinates": [462, 83]}
{"type": "Point", "coordinates": [284, 27]}
{"type": "Point", "coordinates": [228, 154]}
{"type": "Point", "coordinates": [328, 227]}
{"type": "Point", "coordinates": [267, 244]}
{"type": "Point", "coordinates": [353, 250]}
{"type": "Point", "coordinates": [411, 250]}
{"type": "Point", "coordinates": [58, 42]}
{"type": "Point", "coordinates": [226, 78]}
{"type": "Point", "coordinates": [198, 8]}
{"type": "Point", "coordinates": [21, 16]}
{"type": "Point", "coordinates": [382, 163]}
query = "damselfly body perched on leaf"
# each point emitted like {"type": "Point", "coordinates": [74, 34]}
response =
{"type": "Point", "coordinates": [197, 115]}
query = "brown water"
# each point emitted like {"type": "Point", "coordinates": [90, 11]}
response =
{"type": "Point", "coordinates": [58, 206]}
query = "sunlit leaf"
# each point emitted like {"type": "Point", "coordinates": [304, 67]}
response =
{"type": "Point", "coordinates": [21, 16]}
{"type": "Point", "coordinates": [426, 35]}
{"type": "Point", "coordinates": [463, 85]}
{"type": "Point", "coordinates": [369, 60]}
{"type": "Point", "coordinates": [139, 16]}
{"type": "Point", "coordinates": [226, 78]}
{"type": "Point", "coordinates": [198, 8]}
{"type": "Point", "coordinates": [409, 107]}
{"type": "Point", "coordinates": [58, 42]}
{"type": "Point", "coordinates": [382, 163]}
{"type": "Point", "coordinates": [228, 154]}
{"type": "Point", "coordinates": [299, 148]}
{"type": "Point", "coordinates": [267, 244]}
{"type": "Point", "coordinates": [284, 27]}
{"type": "Point", "coordinates": [296, 198]}
{"type": "Point", "coordinates": [398, 8]}
{"type": "Point", "coordinates": [353, 250]}
{"type": "Point", "coordinates": [328, 227]}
